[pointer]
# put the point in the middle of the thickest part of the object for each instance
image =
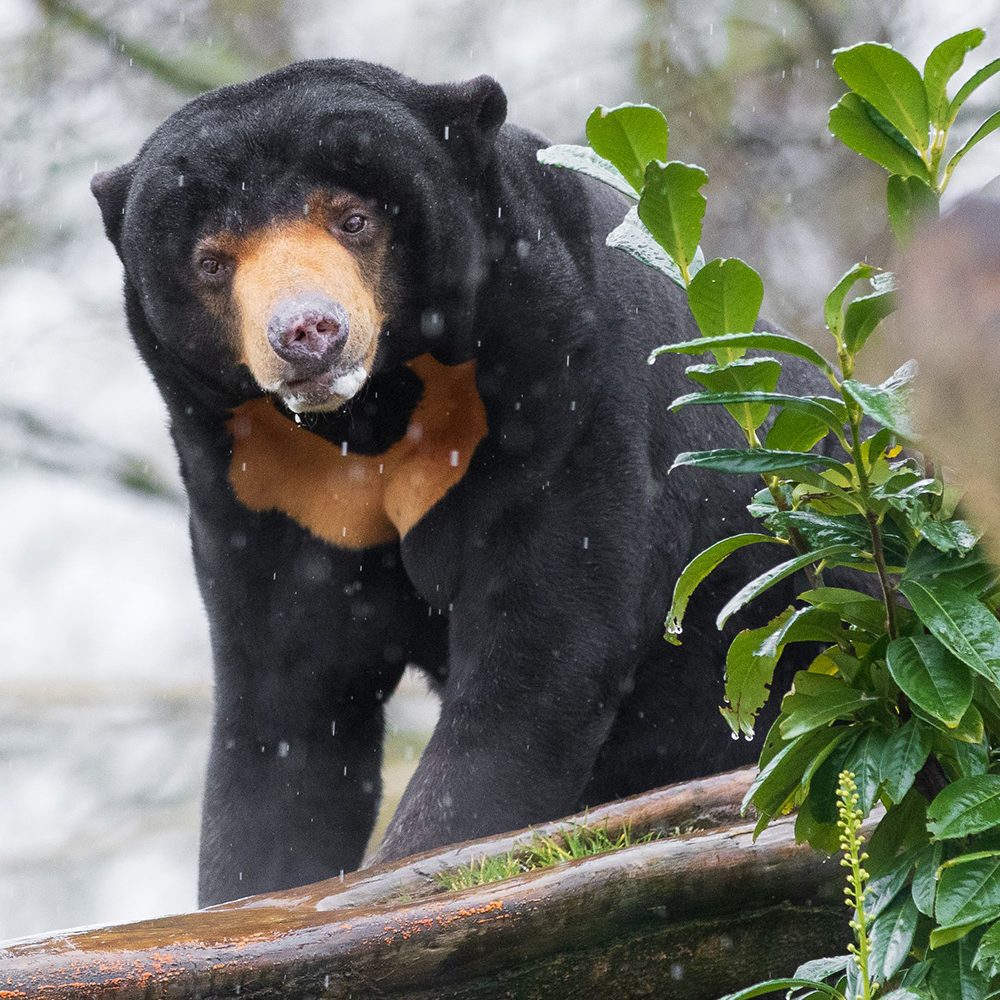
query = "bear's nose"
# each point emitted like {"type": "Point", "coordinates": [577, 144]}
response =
{"type": "Point", "coordinates": [308, 333]}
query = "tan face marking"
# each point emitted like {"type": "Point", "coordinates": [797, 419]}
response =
{"type": "Point", "coordinates": [357, 501]}
{"type": "Point", "coordinates": [301, 257]}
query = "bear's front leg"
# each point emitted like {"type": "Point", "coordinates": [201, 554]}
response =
{"type": "Point", "coordinates": [308, 641]}
{"type": "Point", "coordinates": [541, 638]}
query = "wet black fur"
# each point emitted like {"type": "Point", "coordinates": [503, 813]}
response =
{"type": "Point", "coordinates": [534, 593]}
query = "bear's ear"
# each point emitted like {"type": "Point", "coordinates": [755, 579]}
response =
{"type": "Point", "coordinates": [469, 114]}
{"type": "Point", "coordinates": [110, 188]}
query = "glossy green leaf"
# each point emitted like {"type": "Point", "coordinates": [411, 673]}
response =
{"type": "Point", "coordinates": [965, 807]}
{"type": "Point", "coordinates": [766, 580]}
{"type": "Point", "coordinates": [987, 128]}
{"type": "Point", "coordinates": [744, 375]}
{"type": "Point", "coordinates": [585, 161]}
{"type": "Point", "coordinates": [949, 738]}
{"type": "Point", "coordinates": [822, 409]}
{"type": "Point", "coordinates": [970, 728]}
{"type": "Point", "coordinates": [970, 86]}
{"type": "Point", "coordinates": [968, 893]}
{"type": "Point", "coordinates": [780, 343]}
{"type": "Point", "coordinates": [773, 744]}
{"type": "Point", "coordinates": [725, 297]}
{"type": "Point", "coordinates": [817, 700]}
{"type": "Point", "coordinates": [941, 936]}
{"type": "Point", "coordinates": [891, 939]}
{"type": "Point", "coordinates": [973, 759]}
{"type": "Point", "coordinates": [822, 968]}
{"type": "Point", "coordinates": [875, 446]}
{"type": "Point", "coordinates": [782, 776]}
{"type": "Point", "coordinates": [783, 986]}
{"type": "Point", "coordinates": [959, 621]}
{"type": "Point", "coordinates": [850, 986]}
{"type": "Point", "coordinates": [630, 136]}
{"type": "Point", "coordinates": [942, 64]}
{"type": "Point", "coordinates": [699, 568]}
{"type": "Point", "coordinates": [924, 885]}
{"type": "Point", "coordinates": [823, 787]}
{"type": "Point", "coordinates": [952, 976]}
{"type": "Point", "coordinates": [672, 208]}
{"type": "Point", "coordinates": [881, 122]}
{"type": "Point", "coordinates": [906, 751]}
{"type": "Point", "coordinates": [914, 977]}
{"type": "Point", "coordinates": [970, 571]}
{"type": "Point", "coordinates": [931, 677]}
{"type": "Point", "coordinates": [888, 402]}
{"type": "Point", "coordinates": [856, 608]}
{"type": "Point", "coordinates": [864, 761]}
{"type": "Point", "coordinates": [823, 837]}
{"type": "Point", "coordinates": [794, 430]}
{"type": "Point", "coordinates": [852, 124]}
{"type": "Point", "coordinates": [748, 678]}
{"type": "Point", "coordinates": [632, 237]}
{"type": "Point", "coordinates": [833, 305]}
{"type": "Point", "coordinates": [803, 625]}
{"type": "Point", "coordinates": [988, 695]}
{"type": "Point", "coordinates": [902, 828]}
{"type": "Point", "coordinates": [753, 460]}
{"type": "Point", "coordinates": [950, 536]}
{"type": "Point", "coordinates": [864, 314]}
{"type": "Point", "coordinates": [890, 83]}
{"type": "Point", "coordinates": [828, 492]}
{"type": "Point", "coordinates": [965, 859]}
{"type": "Point", "coordinates": [886, 886]}
{"type": "Point", "coordinates": [987, 957]}
{"type": "Point", "coordinates": [820, 529]}
{"type": "Point", "coordinates": [945, 935]}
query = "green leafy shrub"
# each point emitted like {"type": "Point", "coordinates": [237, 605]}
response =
{"type": "Point", "coordinates": [851, 975]}
{"type": "Point", "coordinates": [905, 693]}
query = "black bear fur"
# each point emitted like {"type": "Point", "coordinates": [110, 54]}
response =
{"type": "Point", "coordinates": [534, 592]}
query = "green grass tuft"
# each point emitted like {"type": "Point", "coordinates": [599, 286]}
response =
{"type": "Point", "coordinates": [481, 872]}
{"type": "Point", "coordinates": [569, 844]}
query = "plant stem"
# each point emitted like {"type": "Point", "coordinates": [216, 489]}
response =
{"type": "Point", "coordinates": [874, 529]}
{"type": "Point", "coordinates": [888, 588]}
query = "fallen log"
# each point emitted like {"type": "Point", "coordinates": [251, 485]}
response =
{"type": "Point", "coordinates": [689, 916]}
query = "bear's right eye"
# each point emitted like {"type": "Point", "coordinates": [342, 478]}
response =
{"type": "Point", "coordinates": [212, 268]}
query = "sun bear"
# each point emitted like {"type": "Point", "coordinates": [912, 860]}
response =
{"type": "Point", "coordinates": [407, 385]}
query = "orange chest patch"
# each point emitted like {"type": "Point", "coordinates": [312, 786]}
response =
{"type": "Point", "coordinates": [357, 501]}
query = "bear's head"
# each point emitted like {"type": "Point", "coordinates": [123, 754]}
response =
{"type": "Point", "coordinates": [298, 233]}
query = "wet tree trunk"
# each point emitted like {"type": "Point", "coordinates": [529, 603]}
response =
{"type": "Point", "coordinates": [693, 915]}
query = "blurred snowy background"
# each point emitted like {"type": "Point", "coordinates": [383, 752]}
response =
{"type": "Point", "coordinates": [104, 663]}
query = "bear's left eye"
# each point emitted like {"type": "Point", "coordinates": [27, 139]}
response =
{"type": "Point", "coordinates": [354, 223]}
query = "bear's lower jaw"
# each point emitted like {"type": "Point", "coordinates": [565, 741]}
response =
{"type": "Point", "coordinates": [323, 393]}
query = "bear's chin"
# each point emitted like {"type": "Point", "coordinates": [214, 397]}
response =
{"type": "Point", "coordinates": [324, 394]}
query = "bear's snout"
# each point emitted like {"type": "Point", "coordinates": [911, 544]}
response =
{"type": "Point", "coordinates": [309, 333]}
